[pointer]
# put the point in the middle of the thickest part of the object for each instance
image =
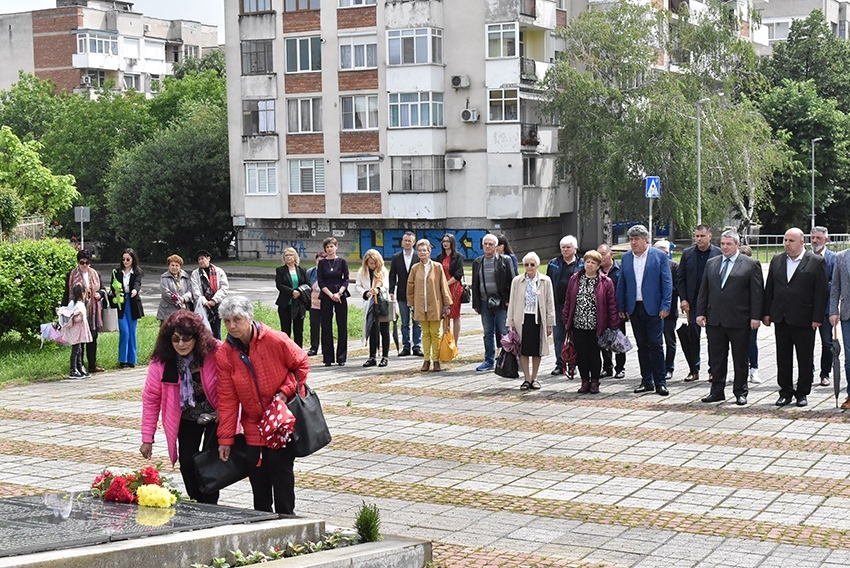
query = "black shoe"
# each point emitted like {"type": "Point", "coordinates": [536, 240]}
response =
{"type": "Point", "coordinates": [341, 364]}
{"type": "Point", "coordinates": [312, 352]}
{"type": "Point", "coordinates": [714, 398]}
{"type": "Point", "coordinates": [557, 371]}
{"type": "Point", "coordinates": [606, 374]}
{"type": "Point", "coordinates": [661, 390]}
{"type": "Point", "coordinates": [370, 362]}
{"type": "Point", "coordinates": [741, 400]}
{"type": "Point", "coordinates": [404, 352]}
{"type": "Point", "coordinates": [417, 352]}
{"type": "Point", "coordinates": [123, 365]}
{"type": "Point", "coordinates": [644, 388]}
{"type": "Point", "coordinates": [383, 362]}
{"type": "Point", "coordinates": [783, 401]}
{"type": "Point", "coordinates": [328, 364]}
{"type": "Point", "coordinates": [801, 402]}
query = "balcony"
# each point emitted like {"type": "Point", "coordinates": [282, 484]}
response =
{"type": "Point", "coordinates": [528, 70]}
{"type": "Point", "coordinates": [677, 5]}
{"type": "Point", "coordinates": [529, 135]}
{"type": "Point", "coordinates": [528, 8]}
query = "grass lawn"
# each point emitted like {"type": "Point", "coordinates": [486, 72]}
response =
{"type": "Point", "coordinates": [22, 361]}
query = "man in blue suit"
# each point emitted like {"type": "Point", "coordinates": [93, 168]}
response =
{"type": "Point", "coordinates": [644, 292]}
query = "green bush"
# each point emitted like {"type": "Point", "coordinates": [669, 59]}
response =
{"type": "Point", "coordinates": [367, 522]}
{"type": "Point", "coordinates": [32, 281]}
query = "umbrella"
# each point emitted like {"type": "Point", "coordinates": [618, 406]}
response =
{"type": "Point", "coordinates": [689, 340]}
{"type": "Point", "coordinates": [395, 327]}
{"type": "Point", "coordinates": [836, 364]}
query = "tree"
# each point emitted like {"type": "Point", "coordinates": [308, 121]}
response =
{"type": "Point", "coordinates": [11, 210]}
{"type": "Point", "coordinates": [213, 60]}
{"type": "Point", "coordinates": [175, 187]}
{"type": "Point", "coordinates": [30, 106]}
{"type": "Point", "coordinates": [207, 87]}
{"type": "Point", "coordinates": [38, 190]}
{"type": "Point", "coordinates": [796, 112]}
{"type": "Point", "coordinates": [812, 52]}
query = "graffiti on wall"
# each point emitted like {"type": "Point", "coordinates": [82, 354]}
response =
{"type": "Point", "coordinates": [388, 241]}
{"type": "Point", "coordinates": [275, 247]}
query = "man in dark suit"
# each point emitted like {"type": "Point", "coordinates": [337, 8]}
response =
{"type": "Point", "coordinates": [688, 279]}
{"type": "Point", "coordinates": [729, 306]}
{"type": "Point", "coordinates": [644, 292]}
{"type": "Point", "coordinates": [670, 321]}
{"type": "Point", "coordinates": [795, 300]}
{"type": "Point", "coordinates": [612, 269]}
{"type": "Point", "coordinates": [399, 270]}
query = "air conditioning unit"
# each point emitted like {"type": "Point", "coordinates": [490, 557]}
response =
{"type": "Point", "coordinates": [469, 115]}
{"type": "Point", "coordinates": [147, 27]}
{"type": "Point", "coordinates": [86, 80]}
{"type": "Point", "coordinates": [455, 163]}
{"type": "Point", "coordinates": [460, 81]}
{"type": "Point", "coordinates": [131, 62]}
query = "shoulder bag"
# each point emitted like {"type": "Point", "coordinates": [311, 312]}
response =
{"type": "Point", "coordinates": [311, 431]}
{"type": "Point", "coordinates": [507, 365]}
{"type": "Point", "coordinates": [214, 474]}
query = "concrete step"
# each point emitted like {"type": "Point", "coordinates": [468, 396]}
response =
{"type": "Point", "coordinates": [391, 552]}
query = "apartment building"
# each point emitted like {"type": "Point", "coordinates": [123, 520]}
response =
{"type": "Point", "coordinates": [82, 44]}
{"type": "Point", "coordinates": [777, 16]}
{"type": "Point", "coordinates": [361, 119]}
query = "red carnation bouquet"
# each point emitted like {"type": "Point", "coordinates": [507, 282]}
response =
{"type": "Point", "coordinates": [120, 485]}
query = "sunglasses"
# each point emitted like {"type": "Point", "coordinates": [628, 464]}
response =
{"type": "Point", "coordinates": [127, 259]}
{"type": "Point", "coordinates": [84, 262]}
{"type": "Point", "coordinates": [529, 264]}
{"type": "Point", "coordinates": [176, 339]}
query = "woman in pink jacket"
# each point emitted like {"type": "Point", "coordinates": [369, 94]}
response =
{"type": "Point", "coordinates": [181, 385]}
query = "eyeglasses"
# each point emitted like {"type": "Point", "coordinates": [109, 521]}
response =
{"type": "Point", "coordinates": [176, 339]}
{"type": "Point", "coordinates": [529, 264]}
{"type": "Point", "coordinates": [84, 262]}
{"type": "Point", "coordinates": [289, 255]}
{"type": "Point", "coordinates": [127, 259]}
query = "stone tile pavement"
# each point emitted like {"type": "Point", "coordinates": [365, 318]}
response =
{"type": "Point", "coordinates": [499, 477]}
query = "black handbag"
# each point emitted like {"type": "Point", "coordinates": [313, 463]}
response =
{"type": "Point", "coordinates": [507, 365]}
{"type": "Point", "coordinates": [466, 295]}
{"type": "Point", "coordinates": [214, 474]}
{"type": "Point", "coordinates": [311, 431]}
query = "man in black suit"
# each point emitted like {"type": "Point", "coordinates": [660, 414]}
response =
{"type": "Point", "coordinates": [794, 299]}
{"type": "Point", "coordinates": [670, 321]}
{"type": "Point", "coordinates": [688, 279]}
{"type": "Point", "coordinates": [399, 270]}
{"type": "Point", "coordinates": [729, 306]}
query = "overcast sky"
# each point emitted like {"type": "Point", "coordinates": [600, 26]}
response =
{"type": "Point", "coordinates": [204, 11]}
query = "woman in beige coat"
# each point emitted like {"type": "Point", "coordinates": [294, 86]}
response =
{"type": "Point", "coordinates": [428, 294]}
{"type": "Point", "coordinates": [531, 312]}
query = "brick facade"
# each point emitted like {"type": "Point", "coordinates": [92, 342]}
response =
{"type": "Point", "coordinates": [302, 83]}
{"type": "Point", "coordinates": [54, 51]}
{"type": "Point", "coordinates": [360, 203]}
{"type": "Point", "coordinates": [358, 142]}
{"type": "Point", "coordinates": [561, 18]}
{"type": "Point", "coordinates": [304, 21]}
{"type": "Point", "coordinates": [358, 80]}
{"type": "Point", "coordinates": [56, 20]}
{"type": "Point", "coordinates": [305, 144]}
{"type": "Point", "coordinates": [360, 17]}
{"type": "Point", "coordinates": [62, 78]}
{"type": "Point", "coordinates": [54, 47]}
{"type": "Point", "coordinates": [307, 204]}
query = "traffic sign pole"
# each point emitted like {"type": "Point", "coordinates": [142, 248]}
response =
{"type": "Point", "coordinates": [653, 191]}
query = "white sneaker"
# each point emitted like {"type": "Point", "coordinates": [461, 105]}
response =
{"type": "Point", "coordinates": [754, 376]}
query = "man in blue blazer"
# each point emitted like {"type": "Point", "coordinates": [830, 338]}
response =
{"type": "Point", "coordinates": [644, 292]}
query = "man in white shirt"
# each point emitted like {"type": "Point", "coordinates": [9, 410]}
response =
{"type": "Point", "coordinates": [399, 271]}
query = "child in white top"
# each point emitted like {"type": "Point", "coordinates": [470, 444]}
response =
{"type": "Point", "coordinates": [75, 330]}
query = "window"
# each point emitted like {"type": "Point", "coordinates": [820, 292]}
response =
{"type": "Point", "coordinates": [257, 117]}
{"type": "Point", "coordinates": [501, 40]}
{"type": "Point", "coordinates": [303, 54]}
{"type": "Point", "coordinates": [359, 112]}
{"type": "Point", "coordinates": [261, 178]}
{"type": "Point", "coordinates": [307, 176]}
{"type": "Point", "coordinates": [504, 105]}
{"type": "Point", "coordinates": [778, 30]}
{"type": "Point", "coordinates": [97, 43]}
{"type": "Point", "coordinates": [94, 77]}
{"type": "Point", "coordinates": [298, 5]}
{"type": "Point", "coordinates": [416, 109]}
{"type": "Point", "coordinates": [561, 4]}
{"type": "Point", "coordinates": [419, 173]}
{"type": "Point", "coordinates": [191, 51]}
{"type": "Point", "coordinates": [347, 3]}
{"type": "Point", "coordinates": [304, 115]}
{"type": "Point", "coordinates": [257, 57]}
{"type": "Point", "coordinates": [132, 82]}
{"type": "Point", "coordinates": [529, 170]}
{"type": "Point", "coordinates": [155, 83]}
{"type": "Point", "coordinates": [358, 52]}
{"type": "Point", "coordinates": [362, 176]}
{"type": "Point", "coordinates": [422, 45]}
{"type": "Point", "coordinates": [249, 6]}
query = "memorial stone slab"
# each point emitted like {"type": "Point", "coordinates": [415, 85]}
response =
{"type": "Point", "coordinates": [53, 521]}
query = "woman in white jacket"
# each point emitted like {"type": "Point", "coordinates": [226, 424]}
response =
{"type": "Point", "coordinates": [369, 282]}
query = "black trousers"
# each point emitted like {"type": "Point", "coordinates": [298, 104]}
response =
{"type": "Point", "coordinates": [587, 354]}
{"type": "Point", "coordinates": [790, 338]}
{"type": "Point", "coordinates": [91, 350]}
{"type": "Point", "coordinates": [620, 358]}
{"type": "Point", "coordinates": [315, 328]}
{"type": "Point", "coordinates": [189, 438]}
{"type": "Point", "coordinates": [275, 476]}
{"type": "Point", "coordinates": [379, 330]}
{"type": "Point", "coordinates": [215, 324]}
{"type": "Point", "coordinates": [329, 310]}
{"type": "Point", "coordinates": [289, 326]}
{"type": "Point", "coordinates": [719, 340]}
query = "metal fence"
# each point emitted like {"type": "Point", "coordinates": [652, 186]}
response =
{"type": "Point", "coordinates": [765, 246]}
{"type": "Point", "coordinates": [30, 228]}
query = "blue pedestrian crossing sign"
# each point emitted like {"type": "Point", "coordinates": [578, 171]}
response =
{"type": "Point", "coordinates": [653, 186]}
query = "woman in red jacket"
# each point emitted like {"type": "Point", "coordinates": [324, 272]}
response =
{"type": "Point", "coordinates": [255, 365]}
{"type": "Point", "coordinates": [181, 385]}
{"type": "Point", "coordinates": [590, 308]}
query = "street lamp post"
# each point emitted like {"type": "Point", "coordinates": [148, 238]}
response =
{"type": "Point", "coordinates": [813, 179]}
{"type": "Point", "coordinates": [699, 161]}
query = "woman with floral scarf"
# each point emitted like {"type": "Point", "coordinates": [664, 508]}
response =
{"type": "Point", "coordinates": [89, 278]}
{"type": "Point", "coordinates": [182, 385]}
